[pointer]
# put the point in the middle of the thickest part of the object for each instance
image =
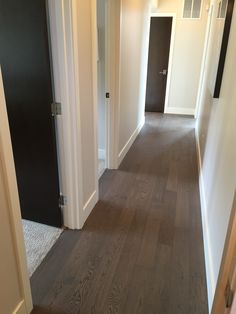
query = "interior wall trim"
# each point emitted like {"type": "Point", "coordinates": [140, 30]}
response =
{"type": "Point", "coordinates": [182, 111]}
{"type": "Point", "coordinates": [89, 205]}
{"type": "Point", "coordinates": [20, 309]}
{"type": "Point", "coordinates": [129, 143]}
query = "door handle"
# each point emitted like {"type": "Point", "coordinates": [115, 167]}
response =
{"type": "Point", "coordinates": [164, 72]}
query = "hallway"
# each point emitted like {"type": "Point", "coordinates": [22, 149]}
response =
{"type": "Point", "coordinates": [141, 250]}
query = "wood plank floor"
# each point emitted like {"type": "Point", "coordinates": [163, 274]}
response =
{"type": "Point", "coordinates": [141, 250]}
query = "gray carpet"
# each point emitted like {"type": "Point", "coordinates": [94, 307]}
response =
{"type": "Point", "coordinates": [39, 239]}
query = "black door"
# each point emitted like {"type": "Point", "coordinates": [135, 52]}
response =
{"type": "Point", "coordinates": [159, 50]}
{"type": "Point", "coordinates": [25, 62]}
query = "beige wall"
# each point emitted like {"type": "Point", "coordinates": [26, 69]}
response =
{"type": "Point", "coordinates": [187, 57]}
{"type": "Point", "coordinates": [133, 67]}
{"type": "Point", "coordinates": [217, 141]}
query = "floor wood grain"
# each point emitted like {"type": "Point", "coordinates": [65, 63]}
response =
{"type": "Point", "coordinates": [141, 250]}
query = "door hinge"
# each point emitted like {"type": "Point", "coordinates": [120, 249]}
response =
{"type": "Point", "coordinates": [107, 95]}
{"type": "Point", "coordinates": [229, 295]}
{"type": "Point", "coordinates": [62, 201]}
{"type": "Point", "coordinates": [56, 109]}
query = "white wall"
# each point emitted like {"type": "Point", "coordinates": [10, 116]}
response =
{"type": "Point", "coordinates": [15, 294]}
{"type": "Point", "coordinates": [154, 4]}
{"type": "Point", "coordinates": [187, 57]}
{"type": "Point", "coordinates": [10, 291]}
{"type": "Point", "coordinates": [101, 16]}
{"type": "Point", "coordinates": [133, 67]}
{"type": "Point", "coordinates": [217, 150]}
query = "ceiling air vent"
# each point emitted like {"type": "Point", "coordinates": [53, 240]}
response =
{"type": "Point", "coordinates": [222, 9]}
{"type": "Point", "coordinates": [192, 9]}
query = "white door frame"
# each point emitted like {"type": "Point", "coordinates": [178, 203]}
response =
{"type": "Point", "coordinates": [112, 68]}
{"type": "Point", "coordinates": [172, 42]}
{"type": "Point", "coordinates": [104, 153]}
{"type": "Point", "coordinates": [113, 21]}
{"type": "Point", "coordinates": [63, 23]}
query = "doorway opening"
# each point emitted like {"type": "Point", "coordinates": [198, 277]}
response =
{"type": "Point", "coordinates": [29, 93]}
{"type": "Point", "coordinates": [161, 44]}
{"type": "Point", "coordinates": [102, 95]}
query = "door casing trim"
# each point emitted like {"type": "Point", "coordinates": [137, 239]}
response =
{"type": "Point", "coordinates": [113, 37]}
{"type": "Point", "coordinates": [64, 43]}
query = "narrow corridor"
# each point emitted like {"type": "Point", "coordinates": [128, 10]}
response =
{"type": "Point", "coordinates": [141, 250]}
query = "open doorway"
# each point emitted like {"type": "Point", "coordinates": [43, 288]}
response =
{"type": "Point", "coordinates": [29, 94]}
{"type": "Point", "coordinates": [159, 61]}
{"type": "Point", "coordinates": [102, 95]}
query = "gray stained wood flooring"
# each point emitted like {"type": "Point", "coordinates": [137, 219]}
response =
{"type": "Point", "coordinates": [141, 250]}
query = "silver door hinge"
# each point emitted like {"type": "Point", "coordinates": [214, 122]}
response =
{"type": "Point", "coordinates": [56, 109]}
{"type": "Point", "coordinates": [62, 201]}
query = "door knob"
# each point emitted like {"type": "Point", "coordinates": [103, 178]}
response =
{"type": "Point", "coordinates": [164, 72]}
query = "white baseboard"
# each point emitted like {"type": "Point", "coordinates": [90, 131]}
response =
{"type": "Point", "coordinates": [102, 154]}
{"type": "Point", "coordinates": [89, 206]}
{"type": "Point", "coordinates": [100, 173]}
{"type": "Point", "coordinates": [181, 111]}
{"type": "Point", "coordinates": [20, 309]}
{"type": "Point", "coordinates": [129, 143]}
{"type": "Point", "coordinates": [211, 282]}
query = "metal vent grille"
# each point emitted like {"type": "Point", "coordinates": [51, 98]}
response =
{"type": "Point", "coordinates": [222, 9]}
{"type": "Point", "coordinates": [192, 9]}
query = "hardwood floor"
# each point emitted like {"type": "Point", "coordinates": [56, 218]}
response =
{"type": "Point", "coordinates": [141, 250]}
